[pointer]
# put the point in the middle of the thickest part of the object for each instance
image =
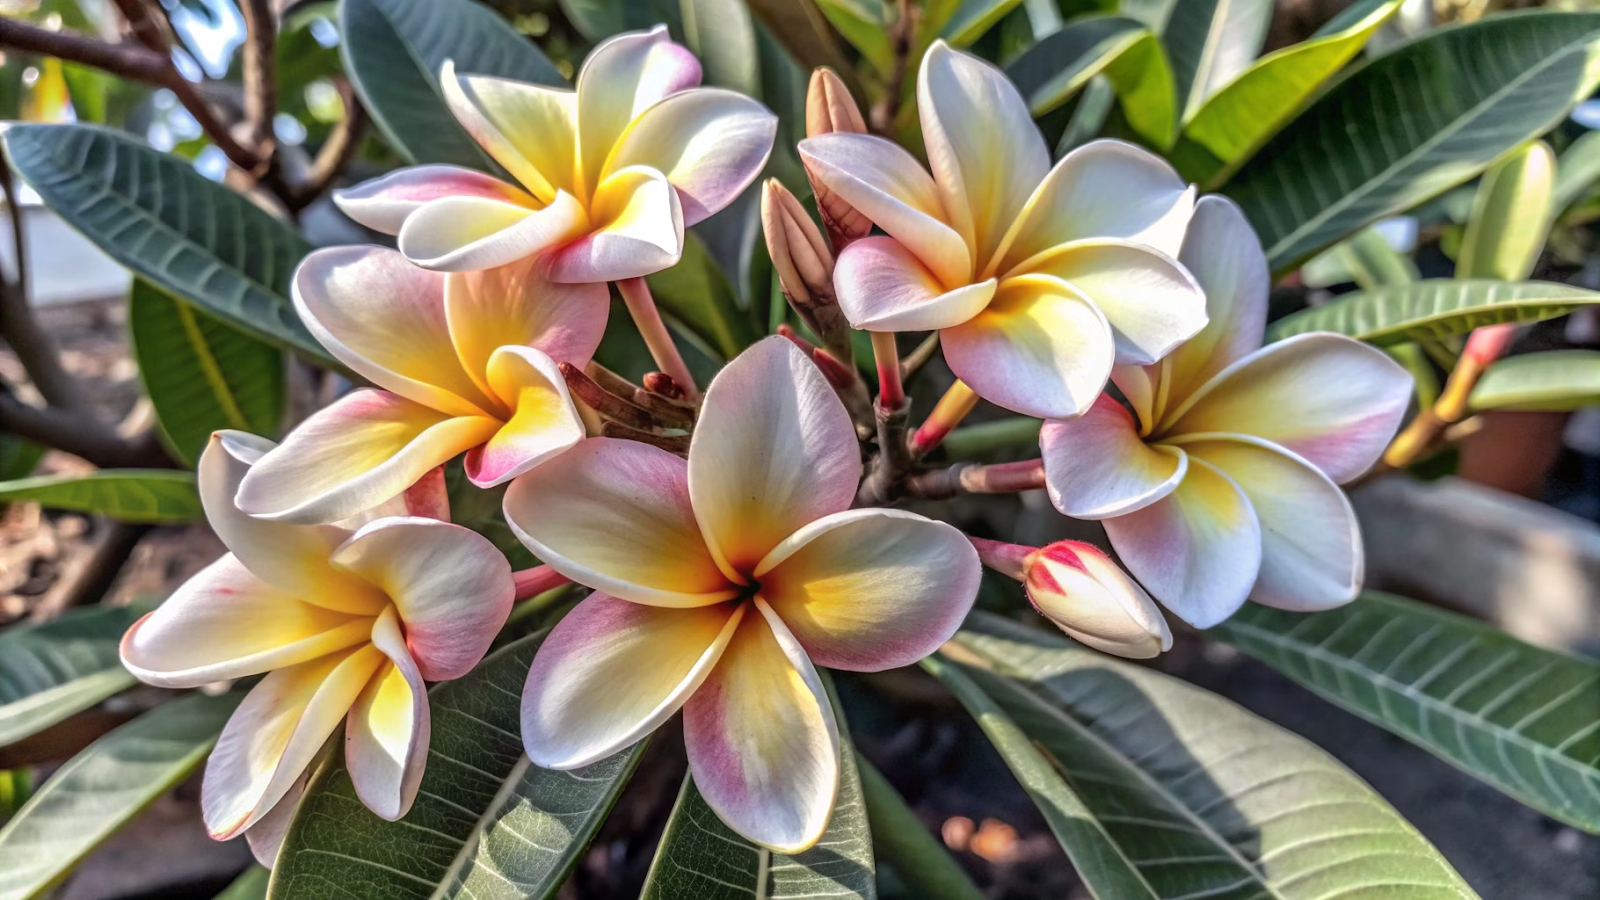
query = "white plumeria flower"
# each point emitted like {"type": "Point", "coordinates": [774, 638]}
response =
{"type": "Point", "coordinates": [1223, 482]}
{"type": "Point", "coordinates": [1037, 277]}
{"type": "Point", "coordinates": [719, 582]}
{"type": "Point", "coordinates": [348, 621]}
{"type": "Point", "coordinates": [608, 175]}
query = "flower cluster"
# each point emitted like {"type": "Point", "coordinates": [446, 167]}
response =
{"type": "Point", "coordinates": [730, 542]}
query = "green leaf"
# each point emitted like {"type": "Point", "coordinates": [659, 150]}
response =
{"type": "Point", "coordinates": [1435, 308]}
{"type": "Point", "coordinates": [18, 457]}
{"type": "Point", "coordinates": [1556, 380]}
{"type": "Point", "coordinates": [1125, 51]}
{"type": "Point", "coordinates": [697, 293]}
{"type": "Point", "coordinates": [1365, 258]}
{"type": "Point", "coordinates": [393, 50]}
{"type": "Point", "coordinates": [132, 495]}
{"type": "Point", "coordinates": [1197, 797]}
{"type": "Point", "coordinates": [600, 19]}
{"type": "Point", "coordinates": [155, 214]}
{"type": "Point", "coordinates": [806, 36]}
{"type": "Point", "coordinates": [200, 373]}
{"type": "Point", "coordinates": [1412, 123]}
{"type": "Point", "coordinates": [1210, 43]}
{"type": "Point", "coordinates": [1576, 171]}
{"type": "Point", "coordinates": [103, 788]}
{"type": "Point", "coordinates": [900, 840]}
{"type": "Point", "coordinates": [252, 885]}
{"type": "Point", "coordinates": [487, 823]}
{"type": "Point", "coordinates": [1510, 216]}
{"type": "Point", "coordinates": [972, 19]}
{"type": "Point", "coordinates": [16, 786]}
{"type": "Point", "coordinates": [723, 35]}
{"type": "Point", "coordinates": [1228, 127]}
{"type": "Point", "coordinates": [861, 22]}
{"type": "Point", "coordinates": [1515, 716]}
{"type": "Point", "coordinates": [54, 669]}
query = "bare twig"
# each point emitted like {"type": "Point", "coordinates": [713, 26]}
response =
{"type": "Point", "coordinates": [672, 443]}
{"type": "Point", "coordinates": [91, 574]}
{"type": "Point", "coordinates": [34, 346]}
{"type": "Point", "coordinates": [257, 70]}
{"type": "Point", "coordinates": [886, 480]}
{"type": "Point", "coordinates": [78, 434]}
{"type": "Point", "coordinates": [916, 359]}
{"type": "Point", "coordinates": [130, 61]}
{"type": "Point", "coordinates": [336, 151]}
{"type": "Point", "coordinates": [970, 478]}
{"type": "Point", "coordinates": [610, 406]}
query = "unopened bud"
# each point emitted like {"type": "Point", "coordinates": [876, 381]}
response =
{"type": "Point", "coordinates": [1087, 596]}
{"type": "Point", "coordinates": [799, 253]}
{"type": "Point", "coordinates": [829, 106]}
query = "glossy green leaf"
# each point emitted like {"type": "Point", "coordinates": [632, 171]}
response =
{"type": "Point", "coordinates": [103, 788]}
{"type": "Point", "coordinates": [54, 669]}
{"type": "Point", "coordinates": [805, 34]}
{"type": "Point", "coordinates": [200, 373]}
{"type": "Point", "coordinates": [16, 786]}
{"type": "Point", "coordinates": [972, 19]}
{"type": "Point", "coordinates": [1210, 43]}
{"type": "Point", "coordinates": [723, 35]}
{"type": "Point", "coordinates": [1229, 126]}
{"type": "Point", "coordinates": [252, 885]}
{"type": "Point", "coordinates": [155, 214]}
{"type": "Point", "coordinates": [1125, 51]}
{"type": "Point", "coordinates": [862, 23]}
{"type": "Point", "coordinates": [1576, 172]}
{"type": "Point", "coordinates": [393, 50]}
{"type": "Point", "coordinates": [1365, 258]}
{"type": "Point", "coordinates": [1191, 795]}
{"type": "Point", "coordinates": [1518, 717]}
{"type": "Point", "coordinates": [600, 19]}
{"type": "Point", "coordinates": [1412, 123]}
{"type": "Point", "coordinates": [1510, 216]}
{"type": "Point", "coordinates": [1435, 308]}
{"type": "Point", "coordinates": [487, 823]}
{"type": "Point", "coordinates": [1556, 380]}
{"type": "Point", "coordinates": [697, 293]}
{"type": "Point", "coordinates": [132, 495]}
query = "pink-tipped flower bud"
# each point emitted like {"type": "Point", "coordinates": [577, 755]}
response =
{"type": "Point", "coordinates": [800, 254]}
{"type": "Point", "coordinates": [830, 109]}
{"type": "Point", "coordinates": [1087, 596]}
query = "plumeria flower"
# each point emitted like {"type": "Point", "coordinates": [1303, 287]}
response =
{"type": "Point", "coordinates": [607, 176]}
{"type": "Point", "coordinates": [348, 621]}
{"type": "Point", "coordinates": [1223, 482]}
{"type": "Point", "coordinates": [464, 362]}
{"type": "Point", "coordinates": [1037, 278]}
{"type": "Point", "coordinates": [720, 583]}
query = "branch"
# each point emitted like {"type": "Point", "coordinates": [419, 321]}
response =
{"type": "Point", "coordinates": [257, 63]}
{"type": "Point", "coordinates": [33, 345]}
{"type": "Point", "coordinates": [969, 478]}
{"type": "Point", "coordinates": [77, 434]}
{"type": "Point", "coordinates": [130, 61]}
{"type": "Point", "coordinates": [336, 152]}
{"type": "Point", "coordinates": [92, 573]}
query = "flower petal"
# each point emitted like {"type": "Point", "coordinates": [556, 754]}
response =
{"type": "Point", "coordinates": [1328, 398]}
{"type": "Point", "coordinates": [1152, 303]}
{"type": "Point", "coordinates": [773, 450]}
{"type": "Point", "coordinates": [1311, 554]}
{"type": "Point", "coordinates": [710, 144]}
{"type": "Point", "coordinates": [1197, 550]}
{"type": "Point", "coordinates": [528, 128]}
{"type": "Point", "coordinates": [543, 420]}
{"type": "Point", "coordinates": [386, 735]}
{"type": "Point", "coordinates": [1224, 254]}
{"type": "Point", "coordinates": [383, 203]}
{"type": "Point", "coordinates": [762, 741]}
{"type": "Point", "coordinates": [385, 319]}
{"type": "Point", "coordinates": [362, 450]}
{"type": "Point", "coordinates": [450, 587]}
{"type": "Point", "coordinates": [986, 154]}
{"type": "Point", "coordinates": [462, 234]}
{"type": "Point", "coordinates": [882, 286]}
{"type": "Point", "coordinates": [624, 76]}
{"type": "Point", "coordinates": [638, 230]}
{"type": "Point", "coordinates": [871, 589]}
{"type": "Point", "coordinates": [266, 836]}
{"type": "Point", "coordinates": [429, 498]}
{"type": "Point", "coordinates": [887, 185]}
{"type": "Point", "coordinates": [1104, 189]}
{"type": "Point", "coordinates": [1040, 348]}
{"type": "Point", "coordinates": [516, 305]}
{"type": "Point", "coordinates": [1096, 466]}
{"type": "Point", "coordinates": [615, 515]}
{"type": "Point", "coordinates": [276, 733]}
{"type": "Point", "coordinates": [612, 671]}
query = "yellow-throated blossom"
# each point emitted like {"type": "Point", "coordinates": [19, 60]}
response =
{"type": "Point", "coordinates": [347, 621]}
{"type": "Point", "coordinates": [607, 175]}
{"type": "Point", "coordinates": [720, 582]}
{"type": "Point", "coordinates": [1222, 483]}
{"type": "Point", "coordinates": [1037, 278]}
{"type": "Point", "coordinates": [464, 362]}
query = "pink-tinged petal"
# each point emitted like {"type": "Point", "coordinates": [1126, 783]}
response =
{"type": "Point", "coordinates": [612, 671]}
{"type": "Point", "coordinates": [517, 305]}
{"type": "Point", "coordinates": [887, 185]}
{"type": "Point", "coordinates": [986, 154]}
{"type": "Point", "coordinates": [266, 836]}
{"type": "Point", "coordinates": [1311, 554]}
{"type": "Point", "coordinates": [226, 623]}
{"type": "Point", "coordinates": [529, 129]}
{"type": "Point", "coordinates": [544, 421]}
{"type": "Point", "coordinates": [710, 144]}
{"type": "Point", "coordinates": [1082, 591]}
{"type": "Point", "coordinates": [762, 741]}
{"type": "Point", "coordinates": [276, 733]}
{"type": "Point", "coordinates": [871, 589]}
{"type": "Point", "coordinates": [1224, 254]}
{"type": "Point", "coordinates": [884, 287]}
{"type": "Point", "coordinates": [463, 234]}
{"type": "Point", "coordinates": [1325, 397]}
{"type": "Point", "coordinates": [383, 203]}
{"type": "Point", "coordinates": [624, 76]}
{"type": "Point", "coordinates": [353, 455]}
{"type": "Point", "coordinates": [773, 450]}
{"type": "Point", "coordinates": [429, 498]}
{"type": "Point", "coordinates": [638, 231]}
{"type": "Point", "coordinates": [1152, 303]}
{"type": "Point", "coordinates": [291, 558]}
{"type": "Point", "coordinates": [386, 736]}
{"type": "Point", "coordinates": [615, 515]}
{"type": "Point", "coordinates": [1141, 385]}
{"type": "Point", "coordinates": [1197, 550]}
{"type": "Point", "coordinates": [451, 588]}
{"type": "Point", "coordinates": [1096, 466]}
{"type": "Point", "coordinates": [385, 319]}
{"type": "Point", "coordinates": [1104, 189]}
{"type": "Point", "coordinates": [1040, 348]}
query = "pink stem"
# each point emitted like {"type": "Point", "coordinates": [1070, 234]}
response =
{"type": "Point", "coordinates": [891, 395]}
{"type": "Point", "coordinates": [535, 581]}
{"type": "Point", "coordinates": [947, 414]}
{"type": "Point", "coordinates": [1009, 560]}
{"type": "Point", "coordinates": [642, 306]}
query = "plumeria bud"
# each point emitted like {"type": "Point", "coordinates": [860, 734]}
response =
{"type": "Point", "coordinates": [799, 253]}
{"type": "Point", "coordinates": [830, 109]}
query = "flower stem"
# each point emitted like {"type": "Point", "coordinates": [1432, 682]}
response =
{"type": "Point", "coordinates": [954, 406]}
{"type": "Point", "coordinates": [1484, 346]}
{"type": "Point", "coordinates": [535, 581]}
{"type": "Point", "coordinates": [642, 306]}
{"type": "Point", "coordinates": [1009, 560]}
{"type": "Point", "coordinates": [891, 393]}
{"type": "Point", "coordinates": [968, 478]}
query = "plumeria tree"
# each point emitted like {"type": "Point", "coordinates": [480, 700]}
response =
{"type": "Point", "coordinates": [571, 437]}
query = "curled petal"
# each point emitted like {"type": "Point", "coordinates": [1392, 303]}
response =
{"type": "Point", "coordinates": [528, 128]}
{"type": "Point", "coordinates": [884, 287]}
{"type": "Point", "coordinates": [543, 419]}
{"type": "Point", "coordinates": [1083, 592]}
{"type": "Point", "coordinates": [638, 230]}
{"type": "Point", "coordinates": [429, 498]}
{"type": "Point", "coordinates": [1152, 303]}
{"type": "Point", "coordinates": [266, 836]}
{"type": "Point", "coordinates": [383, 203]}
{"type": "Point", "coordinates": [386, 735]}
{"type": "Point", "coordinates": [461, 234]}
{"type": "Point", "coordinates": [710, 144]}
{"type": "Point", "coordinates": [1096, 466]}
{"type": "Point", "coordinates": [871, 589]}
{"type": "Point", "coordinates": [1224, 254]}
{"type": "Point", "coordinates": [624, 76]}
{"type": "Point", "coordinates": [516, 305]}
